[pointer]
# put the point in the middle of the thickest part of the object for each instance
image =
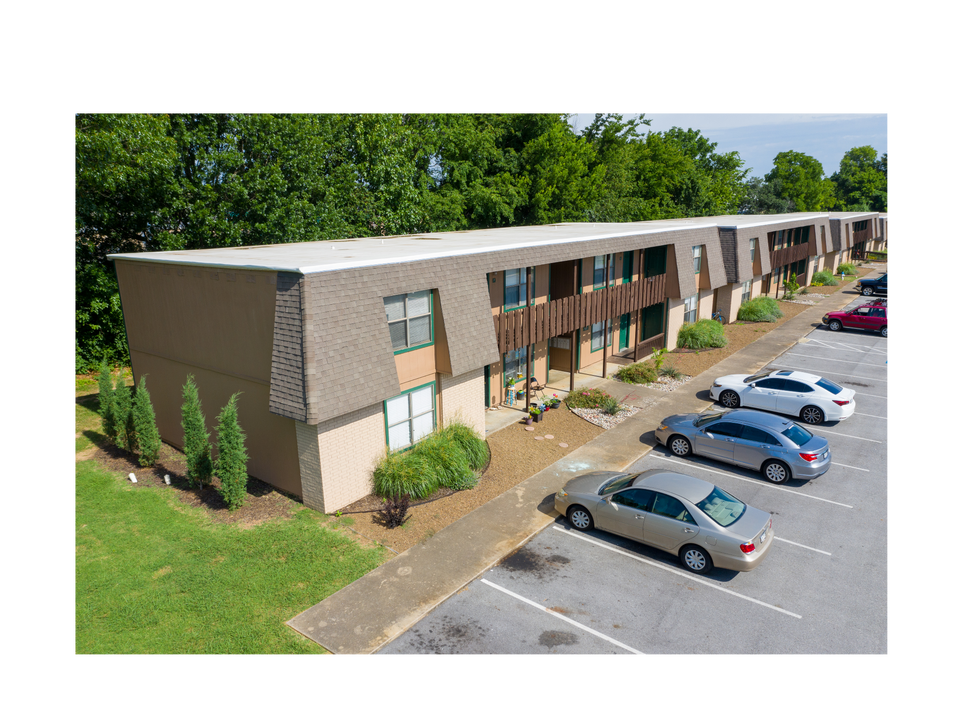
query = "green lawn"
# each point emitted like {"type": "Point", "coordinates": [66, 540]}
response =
{"type": "Point", "coordinates": [155, 576]}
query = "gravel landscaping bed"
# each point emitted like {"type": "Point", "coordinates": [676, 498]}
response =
{"type": "Point", "coordinates": [604, 420]}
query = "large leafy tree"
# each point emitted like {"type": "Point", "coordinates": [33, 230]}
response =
{"type": "Point", "coordinates": [800, 178]}
{"type": "Point", "coordinates": [861, 182]}
{"type": "Point", "coordinates": [761, 197]}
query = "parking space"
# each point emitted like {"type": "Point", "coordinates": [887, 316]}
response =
{"type": "Point", "coordinates": [821, 589]}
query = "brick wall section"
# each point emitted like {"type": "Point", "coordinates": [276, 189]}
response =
{"type": "Point", "coordinates": [287, 391]}
{"type": "Point", "coordinates": [311, 486]}
{"type": "Point", "coordinates": [350, 447]}
{"type": "Point", "coordinates": [462, 398]}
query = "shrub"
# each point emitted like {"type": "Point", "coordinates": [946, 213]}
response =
{"type": "Point", "coordinates": [475, 447]}
{"type": "Point", "coordinates": [822, 277]}
{"type": "Point", "coordinates": [404, 473]}
{"type": "Point", "coordinates": [586, 398]}
{"type": "Point", "coordinates": [637, 373]}
{"type": "Point", "coordinates": [760, 309]}
{"type": "Point", "coordinates": [701, 334]}
{"type": "Point", "coordinates": [145, 422]}
{"type": "Point", "coordinates": [108, 403]}
{"type": "Point", "coordinates": [610, 405]}
{"type": "Point", "coordinates": [394, 511]}
{"type": "Point", "coordinates": [447, 459]}
{"type": "Point", "coordinates": [846, 269]}
{"type": "Point", "coordinates": [196, 439]}
{"type": "Point", "coordinates": [671, 372]}
{"type": "Point", "coordinates": [231, 465]}
{"type": "Point", "coordinates": [792, 285]}
{"type": "Point", "coordinates": [126, 438]}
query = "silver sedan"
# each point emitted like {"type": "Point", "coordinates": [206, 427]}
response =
{"type": "Point", "coordinates": [778, 448]}
{"type": "Point", "coordinates": [704, 525]}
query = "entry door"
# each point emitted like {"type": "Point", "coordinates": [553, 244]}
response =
{"type": "Point", "coordinates": [624, 330]}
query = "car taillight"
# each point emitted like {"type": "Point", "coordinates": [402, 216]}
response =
{"type": "Point", "coordinates": [842, 402]}
{"type": "Point", "coordinates": [809, 457]}
{"type": "Point", "coordinates": [747, 548]}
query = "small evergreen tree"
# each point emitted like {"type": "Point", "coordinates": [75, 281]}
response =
{"type": "Point", "coordinates": [231, 465]}
{"type": "Point", "coordinates": [108, 403]}
{"type": "Point", "coordinates": [196, 439]}
{"type": "Point", "coordinates": [126, 434]}
{"type": "Point", "coordinates": [145, 424]}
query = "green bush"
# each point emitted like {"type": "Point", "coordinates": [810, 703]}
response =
{"type": "Point", "coordinates": [824, 278]}
{"type": "Point", "coordinates": [108, 403]}
{"type": "Point", "coordinates": [846, 269]}
{"type": "Point", "coordinates": [701, 334]}
{"type": "Point", "coordinates": [145, 422]}
{"type": "Point", "coordinates": [671, 372]}
{"type": "Point", "coordinates": [196, 439]}
{"type": "Point", "coordinates": [450, 457]}
{"type": "Point", "coordinates": [231, 465]}
{"type": "Point", "coordinates": [610, 405]}
{"type": "Point", "coordinates": [126, 438]}
{"type": "Point", "coordinates": [587, 398]}
{"type": "Point", "coordinates": [760, 309]}
{"type": "Point", "coordinates": [637, 373]}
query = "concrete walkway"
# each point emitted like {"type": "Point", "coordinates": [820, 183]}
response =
{"type": "Point", "coordinates": [387, 601]}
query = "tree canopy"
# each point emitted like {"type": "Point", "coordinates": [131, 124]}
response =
{"type": "Point", "coordinates": [185, 181]}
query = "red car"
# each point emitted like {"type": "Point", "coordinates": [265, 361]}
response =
{"type": "Point", "coordinates": [870, 316]}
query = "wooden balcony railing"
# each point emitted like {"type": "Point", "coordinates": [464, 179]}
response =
{"type": "Point", "coordinates": [785, 256]}
{"type": "Point", "coordinates": [529, 325]}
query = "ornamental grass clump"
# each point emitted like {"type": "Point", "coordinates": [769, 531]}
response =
{"type": "Point", "coordinates": [846, 269]}
{"type": "Point", "coordinates": [590, 398]}
{"type": "Point", "coordinates": [701, 334]}
{"type": "Point", "coordinates": [637, 373]}
{"type": "Point", "coordinates": [760, 309]}
{"type": "Point", "coordinates": [451, 457]}
{"type": "Point", "coordinates": [822, 277]}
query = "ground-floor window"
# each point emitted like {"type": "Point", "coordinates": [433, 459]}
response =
{"type": "Point", "coordinates": [514, 363]}
{"type": "Point", "coordinates": [745, 291]}
{"type": "Point", "coordinates": [651, 321]}
{"type": "Point", "coordinates": [596, 336]}
{"type": "Point", "coordinates": [690, 309]}
{"type": "Point", "coordinates": [410, 416]}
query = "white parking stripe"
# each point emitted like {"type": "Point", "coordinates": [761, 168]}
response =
{"type": "Point", "coordinates": [882, 397]}
{"type": "Point", "coordinates": [852, 467]}
{"type": "Point", "coordinates": [873, 416]}
{"type": "Point", "coordinates": [558, 615]}
{"type": "Point", "coordinates": [805, 547]}
{"type": "Point", "coordinates": [757, 482]}
{"type": "Point", "coordinates": [834, 345]}
{"type": "Point", "coordinates": [831, 432]}
{"type": "Point", "coordinates": [685, 575]}
{"type": "Point", "coordinates": [851, 362]}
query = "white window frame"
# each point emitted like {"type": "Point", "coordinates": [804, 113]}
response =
{"type": "Point", "coordinates": [753, 250]}
{"type": "Point", "coordinates": [690, 305]}
{"type": "Point", "coordinates": [697, 256]}
{"type": "Point", "coordinates": [407, 317]}
{"type": "Point", "coordinates": [598, 261]}
{"type": "Point", "coordinates": [596, 334]}
{"type": "Point", "coordinates": [745, 291]}
{"type": "Point", "coordinates": [521, 284]}
{"type": "Point", "coordinates": [413, 422]}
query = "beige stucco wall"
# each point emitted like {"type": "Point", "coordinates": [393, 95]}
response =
{"type": "Point", "coordinates": [674, 321]}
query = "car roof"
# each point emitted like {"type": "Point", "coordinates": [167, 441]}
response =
{"type": "Point", "coordinates": [774, 422]}
{"type": "Point", "coordinates": [797, 375]}
{"type": "Point", "coordinates": [689, 488]}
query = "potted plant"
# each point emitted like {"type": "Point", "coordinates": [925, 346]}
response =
{"type": "Point", "coordinates": [511, 382]}
{"type": "Point", "coordinates": [554, 402]}
{"type": "Point", "coordinates": [535, 414]}
{"type": "Point", "coordinates": [528, 420]}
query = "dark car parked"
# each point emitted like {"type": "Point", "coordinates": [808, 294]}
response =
{"type": "Point", "coordinates": [873, 286]}
{"type": "Point", "coordinates": [869, 316]}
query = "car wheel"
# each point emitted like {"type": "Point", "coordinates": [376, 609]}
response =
{"type": "Point", "coordinates": [883, 331]}
{"type": "Point", "coordinates": [812, 415]}
{"type": "Point", "coordinates": [696, 559]}
{"type": "Point", "coordinates": [835, 325]}
{"type": "Point", "coordinates": [679, 446]}
{"type": "Point", "coordinates": [580, 518]}
{"type": "Point", "coordinates": [775, 471]}
{"type": "Point", "coordinates": [728, 398]}
{"type": "Point", "coordinates": [867, 291]}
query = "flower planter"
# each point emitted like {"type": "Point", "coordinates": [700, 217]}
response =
{"type": "Point", "coordinates": [536, 418]}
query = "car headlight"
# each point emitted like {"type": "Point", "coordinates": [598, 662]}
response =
{"type": "Point", "coordinates": [561, 493]}
{"type": "Point", "coordinates": [662, 426]}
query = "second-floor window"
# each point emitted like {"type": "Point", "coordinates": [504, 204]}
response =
{"type": "Point", "coordinates": [598, 264]}
{"type": "Point", "coordinates": [753, 250]}
{"type": "Point", "coordinates": [697, 252]}
{"type": "Point", "coordinates": [410, 318]}
{"type": "Point", "coordinates": [515, 288]}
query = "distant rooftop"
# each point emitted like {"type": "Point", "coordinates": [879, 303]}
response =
{"type": "Point", "coordinates": [329, 255]}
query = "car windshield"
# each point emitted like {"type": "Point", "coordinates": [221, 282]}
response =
{"type": "Point", "coordinates": [708, 417]}
{"type": "Point", "coordinates": [754, 378]}
{"type": "Point", "coordinates": [721, 507]}
{"type": "Point", "coordinates": [798, 435]}
{"type": "Point", "coordinates": [617, 484]}
{"type": "Point", "coordinates": [830, 387]}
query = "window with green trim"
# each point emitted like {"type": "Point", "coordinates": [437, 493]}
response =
{"type": "Point", "coordinates": [410, 319]}
{"type": "Point", "coordinates": [514, 364]}
{"type": "Point", "coordinates": [410, 416]}
{"type": "Point", "coordinates": [596, 336]}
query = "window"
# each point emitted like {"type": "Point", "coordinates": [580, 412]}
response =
{"type": "Point", "coordinates": [410, 416]}
{"type": "Point", "coordinates": [515, 288]}
{"type": "Point", "coordinates": [697, 252]}
{"type": "Point", "coordinates": [725, 429]}
{"type": "Point", "coordinates": [596, 335]}
{"type": "Point", "coordinates": [655, 261]}
{"type": "Point", "coordinates": [757, 435]}
{"type": "Point", "coordinates": [637, 498]}
{"type": "Point", "coordinates": [722, 508]}
{"type": "Point", "coordinates": [598, 263]}
{"type": "Point", "coordinates": [745, 291]}
{"type": "Point", "coordinates": [798, 435]}
{"type": "Point", "coordinates": [514, 363]}
{"type": "Point", "coordinates": [672, 508]}
{"type": "Point", "coordinates": [796, 386]}
{"type": "Point", "coordinates": [771, 384]}
{"type": "Point", "coordinates": [690, 309]}
{"type": "Point", "coordinates": [410, 318]}
{"type": "Point", "coordinates": [753, 250]}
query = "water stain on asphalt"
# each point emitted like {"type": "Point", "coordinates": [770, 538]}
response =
{"type": "Point", "coordinates": [553, 638]}
{"type": "Point", "coordinates": [448, 638]}
{"type": "Point", "coordinates": [525, 560]}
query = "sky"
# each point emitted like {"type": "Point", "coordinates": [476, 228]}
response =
{"type": "Point", "coordinates": [759, 137]}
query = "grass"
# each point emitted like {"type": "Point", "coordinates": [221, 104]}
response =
{"type": "Point", "coordinates": [153, 576]}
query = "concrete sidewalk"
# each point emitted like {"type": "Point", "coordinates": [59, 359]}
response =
{"type": "Point", "coordinates": [387, 601]}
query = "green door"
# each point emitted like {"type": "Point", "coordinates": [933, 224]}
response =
{"type": "Point", "coordinates": [652, 321]}
{"type": "Point", "coordinates": [624, 330]}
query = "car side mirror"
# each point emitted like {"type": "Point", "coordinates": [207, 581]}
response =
{"type": "Point", "coordinates": [753, 385]}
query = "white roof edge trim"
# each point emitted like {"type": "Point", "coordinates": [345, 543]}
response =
{"type": "Point", "coordinates": [312, 269]}
{"type": "Point", "coordinates": [761, 224]}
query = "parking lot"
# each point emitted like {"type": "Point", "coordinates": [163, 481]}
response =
{"type": "Point", "coordinates": [822, 589]}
